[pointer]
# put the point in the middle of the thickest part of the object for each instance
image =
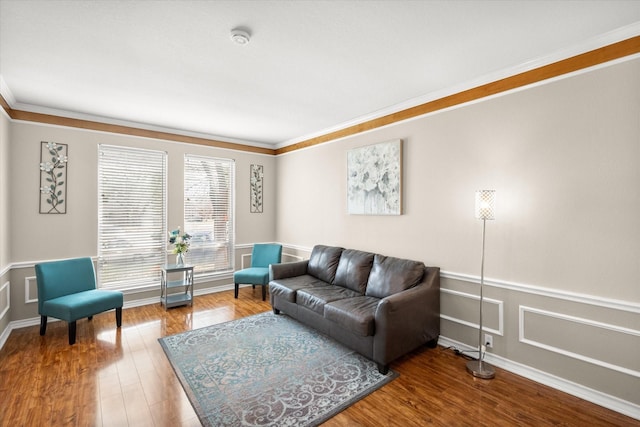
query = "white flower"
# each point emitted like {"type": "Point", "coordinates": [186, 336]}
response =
{"type": "Point", "coordinates": [51, 145]}
{"type": "Point", "coordinates": [45, 190]}
{"type": "Point", "coordinates": [62, 159]}
{"type": "Point", "coordinates": [47, 166]}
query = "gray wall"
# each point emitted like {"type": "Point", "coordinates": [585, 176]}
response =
{"type": "Point", "coordinates": [562, 256]}
{"type": "Point", "coordinates": [562, 260]}
{"type": "Point", "coordinates": [37, 237]}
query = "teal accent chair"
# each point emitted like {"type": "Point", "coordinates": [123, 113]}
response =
{"type": "Point", "coordinates": [263, 255]}
{"type": "Point", "coordinates": [67, 291]}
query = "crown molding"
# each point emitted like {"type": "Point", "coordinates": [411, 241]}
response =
{"type": "Point", "coordinates": [621, 44]}
{"type": "Point", "coordinates": [6, 94]}
{"type": "Point", "coordinates": [558, 65]}
{"type": "Point", "coordinates": [134, 130]}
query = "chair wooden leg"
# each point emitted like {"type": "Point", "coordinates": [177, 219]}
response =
{"type": "Point", "coordinates": [119, 317]}
{"type": "Point", "coordinates": [72, 332]}
{"type": "Point", "coordinates": [43, 325]}
{"type": "Point", "coordinates": [235, 295]}
{"type": "Point", "coordinates": [264, 292]}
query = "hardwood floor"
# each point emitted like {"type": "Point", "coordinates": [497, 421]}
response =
{"type": "Point", "coordinates": [121, 377]}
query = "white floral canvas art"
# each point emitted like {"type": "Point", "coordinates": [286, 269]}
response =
{"type": "Point", "coordinates": [374, 183]}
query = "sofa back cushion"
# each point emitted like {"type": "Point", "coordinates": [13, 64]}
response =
{"type": "Point", "coordinates": [323, 262]}
{"type": "Point", "coordinates": [391, 275]}
{"type": "Point", "coordinates": [353, 270]}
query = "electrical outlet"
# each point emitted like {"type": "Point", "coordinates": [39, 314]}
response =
{"type": "Point", "coordinates": [488, 340]}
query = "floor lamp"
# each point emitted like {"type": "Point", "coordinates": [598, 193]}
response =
{"type": "Point", "coordinates": [485, 207]}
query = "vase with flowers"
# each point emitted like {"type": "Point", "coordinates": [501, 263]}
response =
{"type": "Point", "coordinates": [181, 244]}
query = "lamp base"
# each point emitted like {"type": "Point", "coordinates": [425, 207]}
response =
{"type": "Point", "coordinates": [480, 369]}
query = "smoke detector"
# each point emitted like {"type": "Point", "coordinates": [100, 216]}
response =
{"type": "Point", "coordinates": [240, 36]}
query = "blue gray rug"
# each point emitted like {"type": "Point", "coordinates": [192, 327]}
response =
{"type": "Point", "coordinates": [268, 370]}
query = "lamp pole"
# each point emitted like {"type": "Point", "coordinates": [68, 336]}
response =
{"type": "Point", "coordinates": [485, 200]}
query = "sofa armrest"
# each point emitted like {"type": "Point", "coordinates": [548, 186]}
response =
{"type": "Point", "coordinates": [408, 319]}
{"type": "Point", "coordinates": [287, 269]}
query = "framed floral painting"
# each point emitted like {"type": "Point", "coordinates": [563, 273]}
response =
{"type": "Point", "coordinates": [374, 182]}
{"type": "Point", "coordinates": [53, 177]}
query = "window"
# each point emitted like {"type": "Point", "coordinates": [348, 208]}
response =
{"type": "Point", "coordinates": [132, 200]}
{"type": "Point", "coordinates": [208, 213]}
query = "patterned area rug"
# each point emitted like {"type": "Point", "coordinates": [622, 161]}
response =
{"type": "Point", "coordinates": [268, 370]}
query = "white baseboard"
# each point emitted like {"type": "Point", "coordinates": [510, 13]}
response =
{"type": "Point", "coordinates": [610, 402]}
{"type": "Point", "coordinates": [5, 335]}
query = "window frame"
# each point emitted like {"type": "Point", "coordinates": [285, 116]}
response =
{"type": "Point", "coordinates": [146, 246]}
{"type": "Point", "coordinates": [203, 238]}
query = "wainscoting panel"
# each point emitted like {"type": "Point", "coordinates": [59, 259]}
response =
{"type": "Point", "coordinates": [286, 257]}
{"type": "Point", "coordinates": [462, 308]}
{"type": "Point", "coordinates": [5, 299]}
{"type": "Point", "coordinates": [583, 344]}
{"type": "Point", "coordinates": [602, 344]}
{"type": "Point", "coordinates": [30, 290]}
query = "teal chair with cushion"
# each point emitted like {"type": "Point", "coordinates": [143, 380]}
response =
{"type": "Point", "coordinates": [263, 255]}
{"type": "Point", "coordinates": [67, 291]}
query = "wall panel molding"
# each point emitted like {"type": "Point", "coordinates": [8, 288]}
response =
{"type": "Point", "coordinates": [291, 257]}
{"type": "Point", "coordinates": [28, 298]}
{"type": "Point", "coordinates": [498, 303]}
{"type": "Point", "coordinates": [580, 321]}
{"type": "Point", "coordinates": [6, 288]}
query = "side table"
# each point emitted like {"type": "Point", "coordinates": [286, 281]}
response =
{"type": "Point", "coordinates": [176, 285]}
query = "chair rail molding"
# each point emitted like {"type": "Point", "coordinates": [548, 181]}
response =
{"type": "Point", "coordinates": [599, 301]}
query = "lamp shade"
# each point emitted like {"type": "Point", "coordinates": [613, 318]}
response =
{"type": "Point", "coordinates": [485, 204]}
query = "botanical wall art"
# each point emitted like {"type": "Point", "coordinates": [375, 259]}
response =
{"type": "Point", "coordinates": [53, 177]}
{"type": "Point", "coordinates": [257, 175]}
{"type": "Point", "coordinates": [374, 182]}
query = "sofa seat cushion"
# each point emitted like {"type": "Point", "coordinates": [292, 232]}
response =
{"type": "Point", "coordinates": [315, 298]}
{"type": "Point", "coordinates": [391, 275]}
{"type": "Point", "coordinates": [354, 314]}
{"type": "Point", "coordinates": [353, 270]}
{"type": "Point", "coordinates": [287, 288]}
{"type": "Point", "coordinates": [82, 304]}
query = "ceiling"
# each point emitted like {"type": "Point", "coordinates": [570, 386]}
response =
{"type": "Point", "coordinates": [311, 67]}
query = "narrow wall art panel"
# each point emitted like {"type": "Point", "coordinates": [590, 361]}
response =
{"type": "Point", "coordinates": [53, 177]}
{"type": "Point", "coordinates": [256, 178]}
{"type": "Point", "coordinates": [374, 181]}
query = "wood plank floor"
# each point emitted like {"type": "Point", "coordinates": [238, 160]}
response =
{"type": "Point", "coordinates": [121, 377]}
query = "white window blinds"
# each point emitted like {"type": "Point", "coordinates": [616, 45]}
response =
{"type": "Point", "coordinates": [132, 199]}
{"type": "Point", "coordinates": [209, 213]}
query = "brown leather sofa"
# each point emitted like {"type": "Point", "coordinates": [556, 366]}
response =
{"type": "Point", "coordinates": [379, 306]}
